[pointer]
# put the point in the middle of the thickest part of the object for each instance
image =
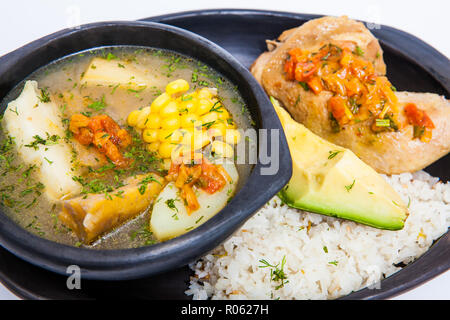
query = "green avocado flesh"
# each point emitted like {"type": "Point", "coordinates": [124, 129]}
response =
{"type": "Point", "coordinates": [333, 181]}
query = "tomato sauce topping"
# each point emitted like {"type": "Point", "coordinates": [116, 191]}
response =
{"type": "Point", "coordinates": [104, 133]}
{"type": "Point", "coordinates": [421, 122]}
{"type": "Point", "coordinates": [358, 93]}
{"type": "Point", "coordinates": [200, 174]}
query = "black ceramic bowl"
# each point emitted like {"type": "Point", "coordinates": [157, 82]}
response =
{"type": "Point", "coordinates": [150, 260]}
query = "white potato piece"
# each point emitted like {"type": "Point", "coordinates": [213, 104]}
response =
{"type": "Point", "coordinates": [28, 117]}
{"type": "Point", "coordinates": [115, 72]}
{"type": "Point", "coordinates": [169, 222]}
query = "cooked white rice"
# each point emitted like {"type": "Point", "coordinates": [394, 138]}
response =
{"type": "Point", "coordinates": [325, 258]}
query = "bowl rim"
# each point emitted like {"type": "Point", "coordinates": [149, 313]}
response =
{"type": "Point", "coordinates": [123, 264]}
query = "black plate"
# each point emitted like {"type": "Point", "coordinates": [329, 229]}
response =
{"type": "Point", "coordinates": [412, 65]}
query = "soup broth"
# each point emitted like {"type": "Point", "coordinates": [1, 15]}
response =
{"type": "Point", "coordinates": [22, 193]}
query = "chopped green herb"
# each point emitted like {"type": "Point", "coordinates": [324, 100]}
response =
{"type": "Point", "coordinates": [199, 219]}
{"type": "Point", "coordinates": [304, 85]}
{"type": "Point", "coordinates": [171, 204]}
{"type": "Point", "coordinates": [98, 105]}
{"type": "Point", "coordinates": [216, 107]}
{"type": "Point", "coordinates": [208, 125]}
{"type": "Point", "coordinates": [51, 140]}
{"type": "Point", "coordinates": [276, 273]}
{"type": "Point", "coordinates": [45, 96]}
{"type": "Point", "coordinates": [418, 131]}
{"type": "Point", "coordinates": [194, 77]}
{"type": "Point", "coordinates": [382, 122]}
{"type": "Point", "coordinates": [335, 127]}
{"type": "Point", "coordinates": [350, 186]}
{"type": "Point", "coordinates": [110, 56]}
{"type": "Point", "coordinates": [298, 100]}
{"type": "Point", "coordinates": [186, 97]}
{"type": "Point", "coordinates": [333, 154]}
{"type": "Point", "coordinates": [358, 51]}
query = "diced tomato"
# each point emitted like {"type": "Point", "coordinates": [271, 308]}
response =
{"type": "Point", "coordinates": [188, 194]}
{"type": "Point", "coordinates": [105, 145]}
{"type": "Point", "coordinates": [349, 76]}
{"type": "Point", "coordinates": [296, 54]}
{"type": "Point", "coordinates": [214, 180]}
{"type": "Point", "coordinates": [78, 121]}
{"type": "Point", "coordinates": [337, 106]}
{"type": "Point", "coordinates": [204, 175]}
{"type": "Point", "coordinates": [84, 136]}
{"type": "Point", "coordinates": [346, 58]}
{"type": "Point", "coordinates": [354, 87]}
{"type": "Point", "coordinates": [104, 133]}
{"type": "Point", "coordinates": [315, 84]}
{"type": "Point", "coordinates": [289, 68]}
{"type": "Point", "coordinates": [418, 117]}
{"type": "Point", "coordinates": [305, 70]}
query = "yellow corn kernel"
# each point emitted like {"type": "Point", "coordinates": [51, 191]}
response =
{"type": "Point", "coordinates": [169, 110]}
{"type": "Point", "coordinates": [172, 136]}
{"type": "Point", "coordinates": [177, 86]}
{"type": "Point", "coordinates": [165, 149]}
{"type": "Point", "coordinates": [222, 149]}
{"type": "Point", "coordinates": [150, 135]}
{"type": "Point", "coordinates": [176, 136]}
{"type": "Point", "coordinates": [188, 120]}
{"type": "Point", "coordinates": [153, 121]}
{"type": "Point", "coordinates": [203, 106]}
{"type": "Point", "coordinates": [160, 102]}
{"type": "Point", "coordinates": [219, 126]}
{"type": "Point", "coordinates": [210, 117]}
{"type": "Point", "coordinates": [223, 113]}
{"type": "Point", "coordinates": [133, 118]}
{"type": "Point", "coordinates": [204, 93]}
{"type": "Point", "coordinates": [179, 152]}
{"type": "Point", "coordinates": [172, 122]}
{"type": "Point", "coordinates": [214, 133]}
{"type": "Point", "coordinates": [153, 147]}
{"type": "Point", "coordinates": [200, 140]}
{"type": "Point", "coordinates": [164, 134]}
{"type": "Point", "coordinates": [142, 118]}
{"type": "Point", "coordinates": [232, 136]}
{"type": "Point", "coordinates": [186, 136]}
{"type": "Point", "coordinates": [187, 97]}
{"type": "Point", "coordinates": [187, 106]}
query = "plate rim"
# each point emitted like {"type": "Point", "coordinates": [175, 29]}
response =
{"type": "Point", "coordinates": [438, 74]}
{"type": "Point", "coordinates": [444, 240]}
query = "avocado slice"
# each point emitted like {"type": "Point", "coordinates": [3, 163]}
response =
{"type": "Point", "coordinates": [333, 181]}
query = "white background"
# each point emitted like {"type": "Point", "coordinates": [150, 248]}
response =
{"type": "Point", "coordinates": [22, 21]}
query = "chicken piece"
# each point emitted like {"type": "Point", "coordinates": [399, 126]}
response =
{"type": "Point", "coordinates": [389, 151]}
{"type": "Point", "coordinates": [90, 217]}
{"type": "Point", "coordinates": [311, 36]}
{"type": "Point", "coordinates": [88, 156]}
